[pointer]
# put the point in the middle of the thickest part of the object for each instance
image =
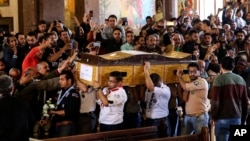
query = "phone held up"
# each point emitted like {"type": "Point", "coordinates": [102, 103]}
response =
{"type": "Point", "coordinates": [96, 44]}
{"type": "Point", "coordinates": [184, 71]}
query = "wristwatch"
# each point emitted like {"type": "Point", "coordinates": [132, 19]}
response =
{"type": "Point", "coordinates": [14, 56]}
{"type": "Point", "coordinates": [97, 88]}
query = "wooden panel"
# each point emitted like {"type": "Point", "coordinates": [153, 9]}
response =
{"type": "Point", "coordinates": [139, 77]}
{"type": "Point", "coordinates": [170, 72]}
{"type": "Point", "coordinates": [170, 76]}
{"type": "Point", "coordinates": [105, 70]}
{"type": "Point", "coordinates": [185, 76]}
{"type": "Point", "coordinates": [134, 134]}
{"type": "Point", "coordinates": [132, 62]}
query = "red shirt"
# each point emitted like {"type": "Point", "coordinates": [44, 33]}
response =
{"type": "Point", "coordinates": [30, 59]}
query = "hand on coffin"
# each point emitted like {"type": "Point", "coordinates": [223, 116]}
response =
{"type": "Point", "coordinates": [179, 72]}
{"type": "Point", "coordinates": [96, 85]}
{"type": "Point", "coordinates": [146, 66]}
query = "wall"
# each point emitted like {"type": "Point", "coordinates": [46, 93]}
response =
{"type": "Point", "coordinates": [134, 10]}
{"type": "Point", "coordinates": [11, 11]}
{"type": "Point", "coordinates": [51, 10]}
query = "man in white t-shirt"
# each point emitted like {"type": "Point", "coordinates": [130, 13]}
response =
{"type": "Point", "coordinates": [111, 100]}
{"type": "Point", "coordinates": [157, 97]}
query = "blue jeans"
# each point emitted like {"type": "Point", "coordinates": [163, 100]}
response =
{"type": "Point", "coordinates": [162, 124]}
{"type": "Point", "coordinates": [87, 123]}
{"type": "Point", "coordinates": [174, 121]}
{"type": "Point", "coordinates": [64, 130]}
{"type": "Point", "coordinates": [222, 128]}
{"type": "Point", "coordinates": [105, 127]}
{"type": "Point", "coordinates": [194, 123]}
{"type": "Point", "coordinates": [132, 120]}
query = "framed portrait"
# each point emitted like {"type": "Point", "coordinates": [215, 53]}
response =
{"type": "Point", "coordinates": [4, 2]}
{"type": "Point", "coordinates": [158, 10]}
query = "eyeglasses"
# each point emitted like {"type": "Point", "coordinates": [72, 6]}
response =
{"type": "Point", "coordinates": [112, 81]}
{"type": "Point", "coordinates": [192, 72]}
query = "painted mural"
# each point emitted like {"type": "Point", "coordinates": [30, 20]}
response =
{"type": "Point", "coordinates": [134, 10]}
{"type": "Point", "coordinates": [188, 6]}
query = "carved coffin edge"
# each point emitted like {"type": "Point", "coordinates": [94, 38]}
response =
{"type": "Point", "coordinates": [132, 60]}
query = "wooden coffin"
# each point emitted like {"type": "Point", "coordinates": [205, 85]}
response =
{"type": "Point", "coordinates": [97, 68]}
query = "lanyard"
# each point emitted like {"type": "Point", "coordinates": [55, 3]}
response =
{"type": "Point", "coordinates": [61, 96]}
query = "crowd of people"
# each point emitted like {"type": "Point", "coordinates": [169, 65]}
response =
{"type": "Point", "coordinates": [38, 67]}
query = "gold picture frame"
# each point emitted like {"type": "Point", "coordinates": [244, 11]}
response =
{"type": "Point", "coordinates": [4, 2]}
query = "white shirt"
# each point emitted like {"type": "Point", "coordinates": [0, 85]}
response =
{"type": "Point", "coordinates": [157, 102]}
{"type": "Point", "coordinates": [113, 113]}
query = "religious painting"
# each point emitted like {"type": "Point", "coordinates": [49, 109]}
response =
{"type": "Point", "coordinates": [4, 2]}
{"type": "Point", "coordinates": [189, 7]}
{"type": "Point", "coordinates": [134, 10]}
{"type": "Point", "coordinates": [158, 10]}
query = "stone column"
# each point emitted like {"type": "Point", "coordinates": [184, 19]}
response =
{"type": "Point", "coordinates": [27, 15]}
{"type": "Point", "coordinates": [50, 10]}
{"type": "Point", "coordinates": [170, 9]}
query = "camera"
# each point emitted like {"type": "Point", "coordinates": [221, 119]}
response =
{"type": "Point", "coordinates": [91, 14]}
{"type": "Point", "coordinates": [184, 71]}
{"type": "Point", "coordinates": [54, 22]}
{"type": "Point", "coordinates": [170, 23]}
{"type": "Point", "coordinates": [124, 21]}
{"type": "Point", "coordinates": [96, 44]}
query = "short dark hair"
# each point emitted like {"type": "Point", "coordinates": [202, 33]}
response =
{"type": "Point", "coordinates": [192, 31]}
{"type": "Point", "coordinates": [155, 78]}
{"type": "Point", "coordinates": [196, 21]}
{"type": "Point", "coordinates": [6, 84]}
{"type": "Point", "coordinates": [19, 33]}
{"type": "Point", "coordinates": [68, 75]}
{"type": "Point", "coordinates": [11, 36]}
{"type": "Point", "coordinates": [206, 22]}
{"type": "Point", "coordinates": [137, 38]}
{"type": "Point", "coordinates": [149, 17]}
{"type": "Point", "coordinates": [207, 34]}
{"type": "Point", "coordinates": [118, 75]}
{"type": "Point", "coordinates": [127, 32]}
{"type": "Point", "coordinates": [227, 63]}
{"type": "Point", "coordinates": [194, 64]}
{"type": "Point", "coordinates": [112, 16]}
{"type": "Point", "coordinates": [239, 31]}
{"type": "Point", "coordinates": [214, 67]}
{"type": "Point", "coordinates": [117, 28]}
{"type": "Point", "coordinates": [41, 22]}
{"type": "Point", "coordinates": [32, 33]}
{"type": "Point", "coordinates": [44, 37]}
{"type": "Point", "coordinates": [149, 35]}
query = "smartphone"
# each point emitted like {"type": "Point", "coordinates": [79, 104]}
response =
{"type": "Point", "coordinates": [91, 13]}
{"type": "Point", "coordinates": [170, 23]}
{"type": "Point", "coordinates": [96, 44]}
{"type": "Point", "coordinates": [184, 71]}
{"type": "Point", "coordinates": [124, 21]}
{"type": "Point", "coordinates": [222, 31]}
